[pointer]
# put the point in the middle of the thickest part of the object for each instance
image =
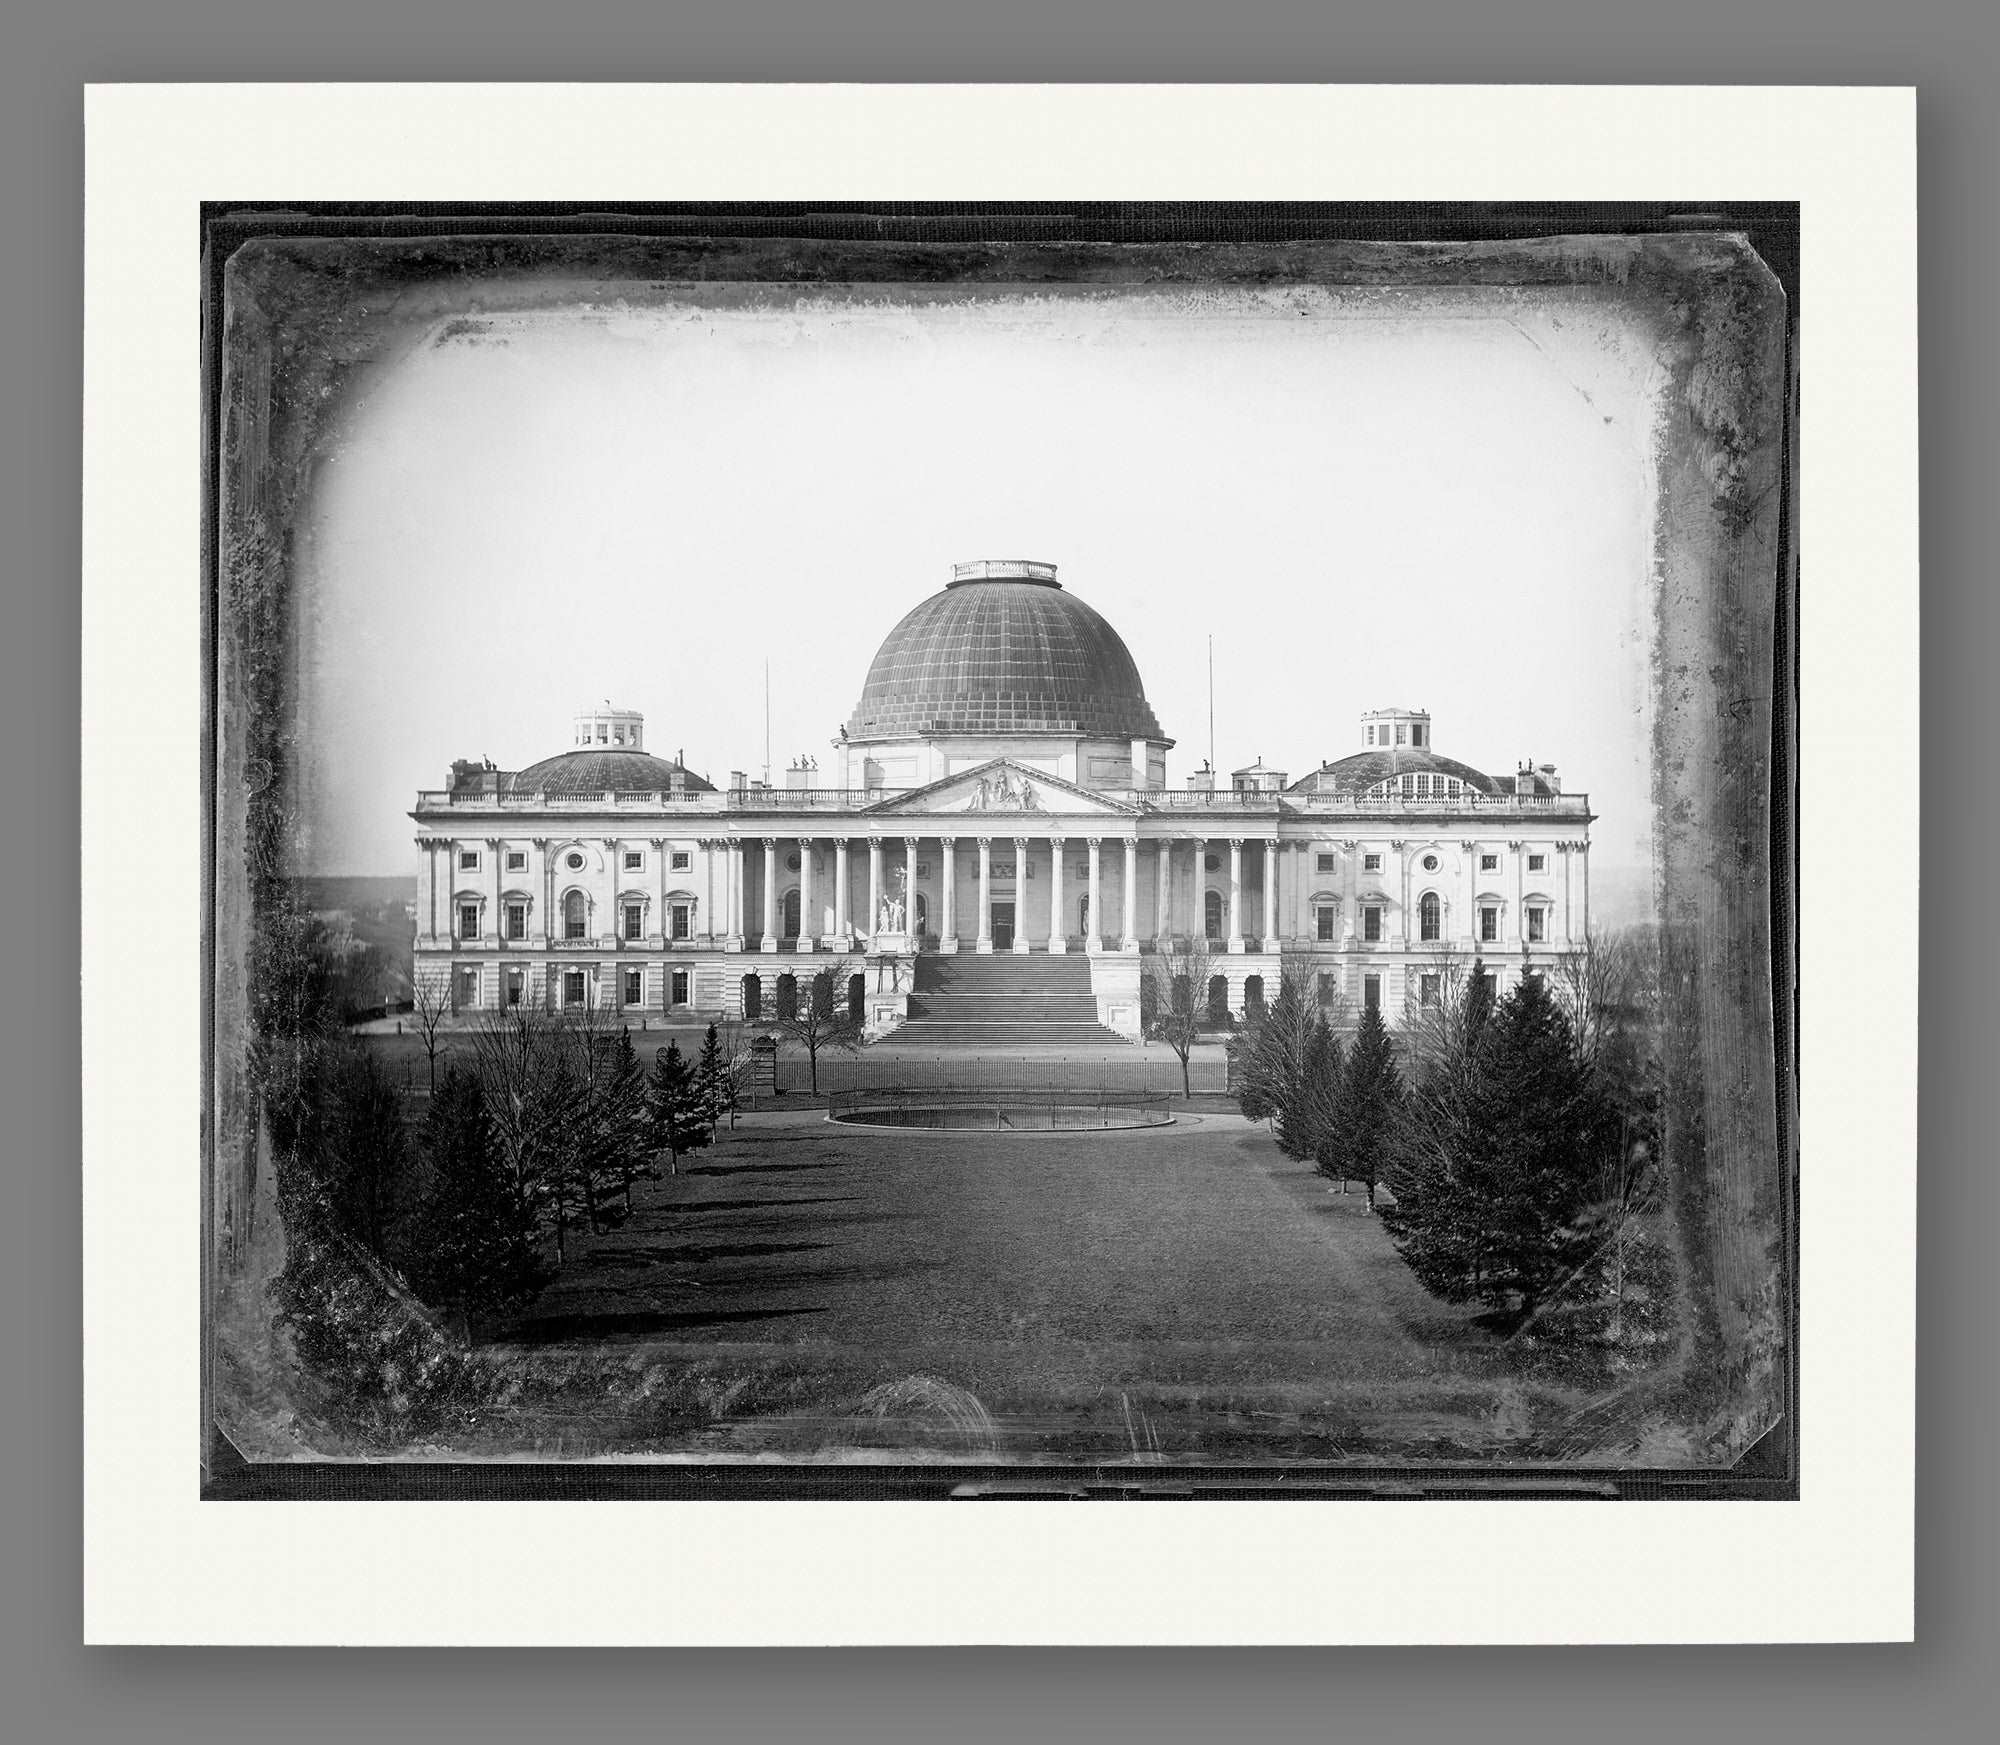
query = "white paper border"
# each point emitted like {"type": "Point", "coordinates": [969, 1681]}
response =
{"type": "Point", "coordinates": [162, 1566]}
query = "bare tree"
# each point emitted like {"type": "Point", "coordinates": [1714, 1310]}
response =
{"type": "Point", "coordinates": [1179, 1004]}
{"type": "Point", "coordinates": [430, 1006]}
{"type": "Point", "coordinates": [820, 1019]}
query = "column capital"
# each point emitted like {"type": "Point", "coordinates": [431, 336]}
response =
{"type": "Point", "coordinates": [1350, 845]}
{"type": "Point", "coordinates": [985, 842]}
{"type": "Point", "coordinates": [1058, 841]}
{"type": "Point", "coordinates": [806, 842]}
{"type": "Point", "coordinates": [611, 841]}
{"type": "Point", "coordinates": [771, 842]}
{"type": "Point", "coordinates": [874, 841]}
{"type": "Point", "coordinates": [838, 841]}
{"type": "Point", "coordinates": [1236, 842]}
{"type": "Point", "coordinates": [1468, 848]}
{"type": "Point", "coordinates": [1021, 843]}
{"type": "Point", "coordinates": [911, 841]}
{"type": "Point", "coordinates": [1094, 841]}
{"type": "Point", "coordinates": [494, 841]}
{"type": "Point", "coordinates": [656, 843]}
{"type": "Point", "coordinates": [1273, 842]}
{"type": "Point", "coordinates": [1514, 846]}
{"type": "Point", "coordinates": [948, 843]}
{"type": "Point", "coordinates": [1398, 843]}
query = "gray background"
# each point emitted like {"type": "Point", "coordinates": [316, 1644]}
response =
{"type": "Point", "coordinates": [51, 1688]}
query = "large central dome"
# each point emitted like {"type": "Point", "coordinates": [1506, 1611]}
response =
{"type": "Point", "coordinates": [1003, 649]}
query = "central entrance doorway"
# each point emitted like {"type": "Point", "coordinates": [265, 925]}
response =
{"type": "Point", "coordinates": [1003, 926]}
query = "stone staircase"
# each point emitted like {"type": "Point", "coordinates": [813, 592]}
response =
{"type": "Point", "coordinates": [970, 1001]}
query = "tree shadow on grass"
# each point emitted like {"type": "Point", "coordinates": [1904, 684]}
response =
{"type": "Point", "coordinates": [564, 1329]}
{"type": "Point", "coordinates": [755, 1168]}
{"type": "Point", "coordinates": [696, 1253]}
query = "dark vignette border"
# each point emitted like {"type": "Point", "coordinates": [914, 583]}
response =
{"type": "Point", "coordinates": [1745, 503]}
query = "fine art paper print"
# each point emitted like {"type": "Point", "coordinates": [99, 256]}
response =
{"type": "Point", "coordinates": [899, 852]}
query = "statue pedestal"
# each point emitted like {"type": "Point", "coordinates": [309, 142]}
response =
{"type": "Point", "coordinates": [889, 945]}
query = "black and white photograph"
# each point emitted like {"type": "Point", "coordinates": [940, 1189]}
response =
{"type": "Point", "coordinates": [866, 851]}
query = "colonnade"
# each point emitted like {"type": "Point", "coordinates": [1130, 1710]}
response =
{"type": "Point", "coordinates": [999, 868]}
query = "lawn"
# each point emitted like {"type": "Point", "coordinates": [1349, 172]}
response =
{"type": "Point", "coordinates": [1182, 1293]}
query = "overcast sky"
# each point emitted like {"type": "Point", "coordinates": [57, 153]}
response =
{"type": "Point", "coordinates": [1365, 502]}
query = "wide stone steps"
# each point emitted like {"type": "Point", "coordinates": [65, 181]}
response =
{"type": "Point", "coordinates": [972, 1001]}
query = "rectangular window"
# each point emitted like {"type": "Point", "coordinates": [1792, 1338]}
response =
{"type": "Point", "coordinates": [635, 921]}
{"type": "Point", "coordinates": [1489, 863]}
{"type": "Point", "coordinates": [468, 920]}
{"type": "Point", "coordinates": [1324, 919]}
{"type": "Point", "coordinates": [517, 920]}
{"type": "Point", "coordinates": [683, 921]}
{"type": "Point", "coordinates": [1371, 863]}
{"type": "Point", "coordinates": [634, 859]}
{"type": "Point", "coordinates": [573, 987]}
{"type": "Point", "coordinates": [1371, 736]}
{"type": "Point", "coordinates": [1329, 987]}
{"type": "Point", "coordinates": [682, 860]}
{"type": "Point", "coordinates": [1399, 733]}
{"type": "Point", "coordinates": [1538, 862]}
{"type": "Point", "coordinates": [1371, 993]}
{"type": "Point", "coordinates": [1427, 990]}
{"type": "Point", "coordinates": [1489, 922]}
{"type": "Point", "coordinates": [1371, 922]}
{"type": "Point", "coordinates": [635, 988]}
{"type": "Point", "coordinates": [1324, 862]}
{"type": "Point", "coordinates": [468, 860]}
{"type": "Point", "coordinates": [516, 984]}
{"type": "Point", "coordinates": [1538, 925]}
{"type": "Point", "coordinates": [1416, 735]}
{"type": "Point", "coordinates": [680, 987]}
{"type": "Point", "coordinates": [517, 860]}
{"type": "Point", "coordinates": [468, 987]}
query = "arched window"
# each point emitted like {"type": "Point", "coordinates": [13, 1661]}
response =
{"type": "Point", "coordinates": [788, 996]}
{"type": "Point", "coordinates": [922, 914]}
{"type": "Point", "coordinates": [1430, 916]}
{"type": "Point", "coordinates": [1253, 997]}
{"type": "Point", "coordinates": [1218, 1002]}
{"type": "Point", "coordinates": [753, 997]}
{"type": "Point", "coordinates": [857, 997]}
{"type": "Point", "coordinates": [576, 915]}
{"type": "Point", "coordinates": [791, 923]}
{"type": "Point", "coordinates": [1211, 915]}
{"type": "Point", "coordinates": [1083, 916]}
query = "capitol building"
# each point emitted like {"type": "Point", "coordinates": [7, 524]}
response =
{"type": "Point", "coordinates": [994, 821]}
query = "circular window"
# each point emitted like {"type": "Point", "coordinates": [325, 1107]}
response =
{"type": "Point", "coordinates": [575, 862]}
{"type": "Point", "coordinates": [1430, 863]}
{"type": "Point", "coordinates": [1213, 862]}
{"type": "Point", "coordinates": [791, 863]}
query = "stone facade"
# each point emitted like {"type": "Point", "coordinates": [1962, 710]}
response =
{"type": "Point", "coordinates": [1377, 871]}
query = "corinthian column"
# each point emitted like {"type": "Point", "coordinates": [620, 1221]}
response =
{"type": "Point", "coordinates": [1271, 894]}
{"type": "Point", "coordinates": [1236, 940]}
{"type": "Point", "coordinates": [770, 940]}
{"type": "Point", "coordinates": [808, 921]}
{"type": "Point", "coordinates": [985, 943]}
{"type": "Point", "coordinates": [1128, 910]}
{"type": "Point", "coordinates": [1095, 931]}
{"type": "Point", "coordinates": [1020, 896]}
{"type": "Point", "coordinates": [1163, 867]}
{"type": "Point", "coordinates": [948, 928]}
{"type": "Point", "coordinates": [1058, 925]}
{"type": "Point", "coordinates": [843, 925]}
{"type": "Point", "coordinates": [874, 886]}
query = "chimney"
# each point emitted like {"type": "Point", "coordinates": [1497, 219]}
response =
{"type": "Point", "coordinates": [1548, 773]}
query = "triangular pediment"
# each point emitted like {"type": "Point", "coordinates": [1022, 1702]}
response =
{"type": "Point", "coordinates": [1008, 789]}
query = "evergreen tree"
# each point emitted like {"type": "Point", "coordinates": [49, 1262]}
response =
{"type": "Point", "coordinates": [367, 1154]}
{"type": "Point", "coordinates": [709, 1076]}
{"type": "Point", "coordinates": [628, 1122]}
{"type": "Point", "coordinates": [674, 1105]}
{"type": "Point", "coordinates": [476, 1247]}
{"type": "Point", "coordinates": [1371, 1094]}
{"type": "Point", "coordinates": [1321, 1123]}
{"type": "Point", "coordinates": [1490, 1188]}
{"type": "Point", "coordinates": [1269, 1064]}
